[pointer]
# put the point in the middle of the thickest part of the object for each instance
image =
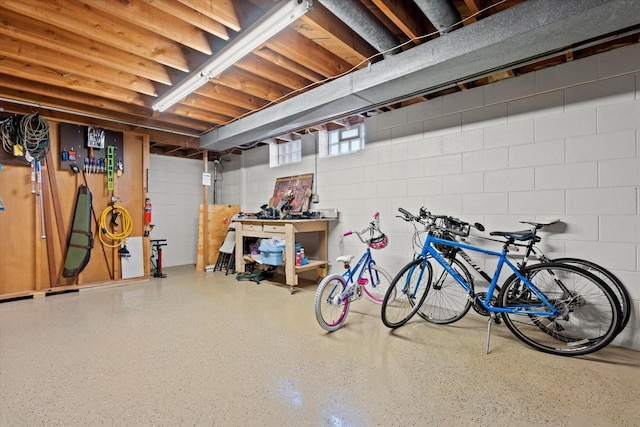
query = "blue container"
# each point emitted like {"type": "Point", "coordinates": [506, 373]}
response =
{"type": "Point", "coordinates": [271, 254]}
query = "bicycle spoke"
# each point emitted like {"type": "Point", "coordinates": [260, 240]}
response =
{"type": "Point", "coordinates": [587, 311]}
{"type": "Point", "coordinates": [410, 287]}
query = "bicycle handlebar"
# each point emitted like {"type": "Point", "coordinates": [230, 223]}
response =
{"type": "Point", "coordinates": [374, 225]}
{"type": "Point", "coordinates": [440, 222]}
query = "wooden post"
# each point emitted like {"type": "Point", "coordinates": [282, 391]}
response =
{"type": "Point", "coordinates": [51, 252]}
{"type": "Point", "coordinates": [205, 211]}
{"type": "Point", "coordinates": [146, 245]}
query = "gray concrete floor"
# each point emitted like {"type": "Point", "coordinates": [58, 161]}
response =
{"type": "Point", "coordinates": [202, 349]}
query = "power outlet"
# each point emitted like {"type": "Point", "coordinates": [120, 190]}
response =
{"type": "Point", "coordinates": [315, 198]}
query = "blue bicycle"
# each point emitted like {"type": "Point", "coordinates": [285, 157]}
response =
{"type": "Point", "coordinates": [554, 307]}
{"type": "Point", "coordinates": [336, 292]}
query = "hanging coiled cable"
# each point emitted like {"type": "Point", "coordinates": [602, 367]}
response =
{"type": "Point", "coordinates": [34, 135]}
{"type": "Point", "coordinates": [103, 226]}
{"type": "Point", "coordinates": [8, 134]}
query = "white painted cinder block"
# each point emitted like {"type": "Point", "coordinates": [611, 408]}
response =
{"type": "Point", "coordinates": [463, 100]}
{"type": "Point", "coordinates": [608, 145]}
{"type": "Point", "coordinates": [521, 179]}
{"type": "Point", "coordinates": [509, 89]}
{"type": "Point", "coordinates": [408, 132]}
{"type": "Point", "coordinates": [391, 188]}
{"type": "Point", "coordinates": [620, 228]}
{"type": "Point", "coordinates": [486, 203]}
{"type": "Point", "coordinates": [443, 165]}
{"type": "Point", "coordinates": [610, 91]}
{"type": "Point", "coordinates": [602, 201]}
{"type": "Point", "coordinates": [576, 175]}
{"type": "Point", "coordinates": [545, 104]}
{"type": "Point", "coordinates": [485, 160]}
{"type": "Point", "coordinates": [582, 227]}
{"type": "Point", "coordinates": [393, 153]}
{"type": "Point", "coordinates": [572, 73]}
{"type": "Point", "coordinates": [614, 256]}
{"type": "Point", "coordinates": [575, 123]}
{"type": "Point", "coordinates": [426, 147]}
{"type": "Point", "coordinates": [619, 61]}
{"type": "Point", "coordinates": [463, 183]}
{"type": "Point", "coordinates": [443, 125]}
{"type": "Point", "coordinates": [619, 173]}
{"type": "Point", "coordinates": [392, 119]}
{"type": "Point", "coordinates": [540, 154]}
{"type": "Point", "coordinates": [504, 135]}
{"type": "Point", "coordinates": [537, 203]}
{"type": "Point", "coordinates": [424, 110]}
{"type": "Point", "coordinates": [464, 141]}
{"type": "Point", "coordinates": [619, 116]}
{"type": "Point", "coordinates": [482, 117]}
{"type": "Point", "coordinates": [425, 185]}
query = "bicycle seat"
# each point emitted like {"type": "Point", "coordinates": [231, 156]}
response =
{"type": "Point", "coordinates": [345, 259]}
{"type": "Point", "coordinates": [515, 235]}
{"type": "Point", "coordinates": [539, 223]}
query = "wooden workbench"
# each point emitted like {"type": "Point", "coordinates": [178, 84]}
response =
{"type": "Point", "coordinates": [286, 230]}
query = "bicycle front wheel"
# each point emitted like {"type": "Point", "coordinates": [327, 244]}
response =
{"type": "Point", "coordinates": [588, 317]}
{"type": "Point", "coordinates": [331, 304]}
{"type": "Point", "coordinates": [410, 288]}
{"type": "Point", "coordinates": [378, 283]}
{"type": "Point", "coordinates": [611, 280]}
{"type": "Point", "coordinates": [447, 301]}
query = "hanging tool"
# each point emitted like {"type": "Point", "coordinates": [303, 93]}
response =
{"type": "Point", "coordinates": [110, 155]}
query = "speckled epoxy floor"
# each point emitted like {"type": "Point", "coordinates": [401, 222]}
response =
{"type": "Point", "coordinates": [201, 349]}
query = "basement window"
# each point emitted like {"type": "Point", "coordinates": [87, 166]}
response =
{"type": "Point", "coordinates": [285, 153]}
{"type": "Point", "coordinates": [347, 140]}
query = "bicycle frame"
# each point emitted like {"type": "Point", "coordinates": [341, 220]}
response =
{"type": "Point", "coordinates": [429, 250]}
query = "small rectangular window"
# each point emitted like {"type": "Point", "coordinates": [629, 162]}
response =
{"type": "Point", "coordinates": [344, 141]}
{"type": "Point", "coordinates": [285, 153]}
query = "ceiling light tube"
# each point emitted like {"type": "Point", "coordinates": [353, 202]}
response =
{"type": "Point", "coordinates": [274, 21]}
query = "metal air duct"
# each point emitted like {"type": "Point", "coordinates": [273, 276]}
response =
{"type": "Point", "coordinates": [442, 14]}
{"type": "Point", "coordinates": [361, 20]}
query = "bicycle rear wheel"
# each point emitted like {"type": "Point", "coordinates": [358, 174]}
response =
{"type": "Point", "coordinates": [447, 301]}
{"type": "Point", "coordinates": [331, 305]}
{"type": "Point", "coordinates": [589, 310]}
{"type": "Point", "coordinates": [378, 283]}
{"type": "Point", "coordinates": [410, 287]}
{"type": "Point", "coordinates": [609, 279]}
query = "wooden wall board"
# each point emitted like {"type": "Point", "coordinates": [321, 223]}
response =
{"type": "Point", "coordinates": [24, 255]}
{"type": "Point", "coordinates": [219, 217]}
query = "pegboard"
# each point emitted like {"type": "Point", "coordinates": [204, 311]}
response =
{"type": "Point", "coordinates": [74, 138]}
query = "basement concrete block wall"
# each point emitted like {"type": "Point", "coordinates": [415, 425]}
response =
{"type": "Point", "coordinates": [559, 143]}
{"type": "Point", "coordinates": [562, 142]}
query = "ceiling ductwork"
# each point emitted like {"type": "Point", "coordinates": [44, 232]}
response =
{"type": "Point", "coordinates": [442, 14]}
{"type": "Point", "coordinates": [524, 32]}
{"type": "Point", "coordinates": [361, 20]}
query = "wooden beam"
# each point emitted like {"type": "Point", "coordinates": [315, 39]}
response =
{"type": "Point", "coordinates": [59, 40]}
{"type": "Point", "coordinates": [270, 71]}
{"type": "Point", "coordinates": [300, 49]}
{"type": "Point", "coordinates": [322, 27]}
{"type": "Point", "coordinates": [96, 25]}
{"type": "Point", "coordinates": [68, 66]}
{"type": "Point", "coordinates": [142, 14]}
{"type": "Point", "coordinates": [219, 10]}
{"type": "Point", "coordinates": [289, 64]}
{"type": "Point", "coordinates": [408, 17]}
{"type": "Point", "coordinates": [192, 16]}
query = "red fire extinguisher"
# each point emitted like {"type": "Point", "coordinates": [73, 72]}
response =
{"type": "Point", "coordinates": [147, 211]}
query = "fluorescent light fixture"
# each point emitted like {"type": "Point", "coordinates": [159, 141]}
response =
{"type": "Point", "coordinates": [278, 18]}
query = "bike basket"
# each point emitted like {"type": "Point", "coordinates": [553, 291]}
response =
{"type": "Point", "coordinates": [379, 242]}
